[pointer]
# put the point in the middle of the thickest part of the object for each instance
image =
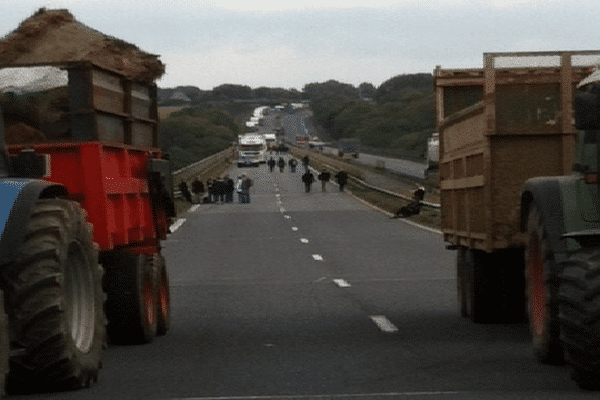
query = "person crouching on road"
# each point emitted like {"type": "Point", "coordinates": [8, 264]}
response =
{"type": "Point", "coordinates": [308, 178]}
{"type": "Point", "coordinates": [324, 177]}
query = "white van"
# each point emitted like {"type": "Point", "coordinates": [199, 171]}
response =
{"type": "Point", "coordinates": [252, 150]}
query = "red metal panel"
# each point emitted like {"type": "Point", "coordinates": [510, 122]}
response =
{"type": "Point", "coordinates": [110, 182]}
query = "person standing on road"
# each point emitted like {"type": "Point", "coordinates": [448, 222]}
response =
{"type": "Point", "coordinates": [246, 185]}
{"type": "Point", "coordinates": [342, 179]}
{"type": "Point", "coordinates": [292, 163]}
{"type": "Point", "coordinates": [324, 177]}
{"type": "Point", "coordinates": [281, 164]}
{"type": "Point", "coordinates": [229, 187]}
{"type": "Point", "coordinates": [185, 191]}
{"type": "Point", "coordinates": [305, 162]}
{"type": "Point", "coordinates": [271, 164]}
{"type": "Point", "coordinates": [308, 178]}
{"type": "Point", "coordinates": [198, 190]}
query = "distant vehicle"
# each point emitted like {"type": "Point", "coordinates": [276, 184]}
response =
{"type": "Point", "coordinates": [350, 146]}
{"type": "Point", "coordinates": [302, 140]}
{"type": "Point", "coordinates": [271, 141]}
{"type": "Point", "coordinates": [252, 150]}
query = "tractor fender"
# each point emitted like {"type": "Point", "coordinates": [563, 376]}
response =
{"type": "Point", "coordinates": [545, 193]}
{"type": "Point", "coordinates": [17, 200]}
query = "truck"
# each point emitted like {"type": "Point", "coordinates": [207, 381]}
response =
{"type": "Point", "coordinates": [519, 198]}
{"type": "Point", "coordinates": [87, 197]}
{"type": "Point", "coordinates": [252, 150]}
{"type": "Point", "coordinates": [348, 147]}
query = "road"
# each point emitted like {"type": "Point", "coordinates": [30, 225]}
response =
{"type": "Point", "coordinates": [316, 295]}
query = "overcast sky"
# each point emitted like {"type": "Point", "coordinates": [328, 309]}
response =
{"type": "Point", "coordinates": [291, 43]}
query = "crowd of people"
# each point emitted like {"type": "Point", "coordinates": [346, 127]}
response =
{"type": "Point", "coordinates": [221, 190]}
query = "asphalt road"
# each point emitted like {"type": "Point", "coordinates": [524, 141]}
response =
{"type": "Point", "coordinates": [317, 296]}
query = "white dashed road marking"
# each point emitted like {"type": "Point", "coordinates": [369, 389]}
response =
{"type": "Point", "coordinates": [304, 240]}
{"type": "Point", "coordinates": [317, 257]}
{"type": "Point", "coordinates": [384, 324]}
{"type": "Point", "coordinates": [294, 228]}
{"type": "Point", "coordinates": [176, 225]}
{"type": "Point", "coordinates": [341, 283]}
{"type": "Point", "coordinates": [287, 217]}
{"type": "Point", "coordinates": [194, 207]}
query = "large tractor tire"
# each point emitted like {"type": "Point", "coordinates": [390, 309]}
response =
{"type": "Point", "coordinates": [54, 301]}
{"type": "Point", "coordinates": [163, 303]}
{"type": "Point", "coordinates": [542, 291]}
{"type": "Point", "coordinates": [579, 311]}
{"type": "Point", "coordinates": [131, 283]}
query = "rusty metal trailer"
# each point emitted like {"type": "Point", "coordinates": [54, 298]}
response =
{"type": "Point", "coordinates": [506, 131]}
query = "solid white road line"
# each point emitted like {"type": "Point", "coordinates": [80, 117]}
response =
{"type": "Point", "coordinates": [384, 324]}
{"type": "Point", "coordinates": [341, 283]}
{"type": "Point", "coordinates": [176, 225]}
{"type": "Point", "coordinates": [323, 396]}
{"type": "Point", "coordinates": [194, 207]}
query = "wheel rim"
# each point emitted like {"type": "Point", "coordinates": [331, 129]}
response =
{"type": "Point", "coordinates": [537, 288]}
{"type": "Point", "coordinates": [163, 296]}
{"type": "Point", "coordinates": [79, 298]}
{"type": "Point", "coordinates": [149, 302]}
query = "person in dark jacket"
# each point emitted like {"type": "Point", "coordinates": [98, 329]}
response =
{"type": "Point", "coordinates": [308, 178]}
{"type": "Point", "coordinates": [245, 189]}
{"type": "Point", "coordinates": [185, 191]}
{"type": "Point", "coordinates": [324, 177]}
{"type": "Point", "coordinates": [229, 188]}
{"type": "Point", "coordinates": [220, 190]}
{"type": "Point", "coordinates": [197, 189]}
{"type": "Point", "coordinates": [305, 161]}
{"type": "Point", "coordinates": [271, 164]}
{"type": "Point", "coordinates": [292, 163]}
{"type": "Point", "coordinates": [281, 164]}
{"type": "Point", "coordinates": [414, 207]}
{"type": "Point", "coordinates": [342, 179]}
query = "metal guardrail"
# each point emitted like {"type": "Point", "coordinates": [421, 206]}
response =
{"type": "Point", "coordinates": [199, 168]}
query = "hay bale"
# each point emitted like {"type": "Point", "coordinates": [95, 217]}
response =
{"type": "Point", "coordinates": [54, 36]}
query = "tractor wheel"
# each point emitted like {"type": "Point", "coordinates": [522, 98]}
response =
{"type": "Point", "coordinates": [579, 307]}
{"type": "Point", "coordinates": [163, 303]}
{"type": "Point", "coordinates": [55, 302]}
{"type": "Point", "coordinates": [462, 283]}
{"type": "Point", "coordinates": [131, 284]}
{"type": "Point", "coordinates": [542, 291]}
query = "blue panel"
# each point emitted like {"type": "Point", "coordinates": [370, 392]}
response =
{"type": "Point", "coordinates": [9, 191]}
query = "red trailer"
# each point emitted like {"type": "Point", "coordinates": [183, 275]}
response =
{"type": "Point", "coordinates": [99, 157]}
